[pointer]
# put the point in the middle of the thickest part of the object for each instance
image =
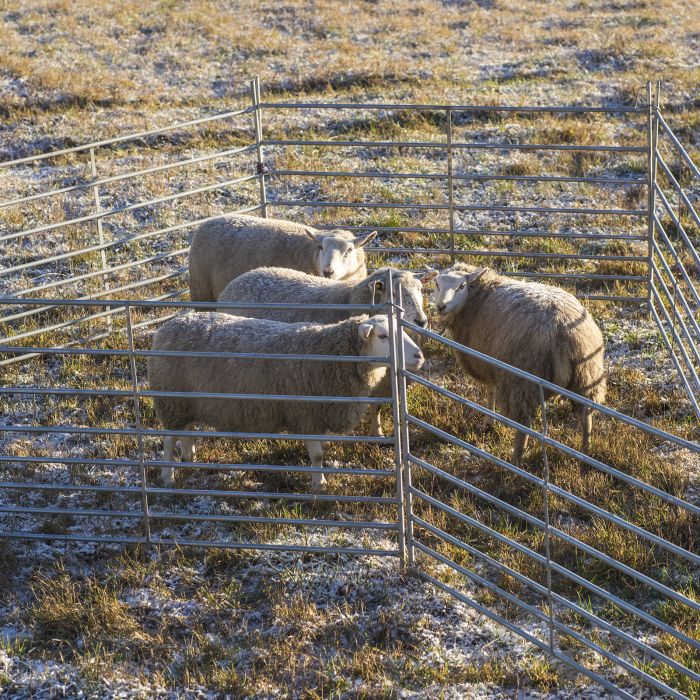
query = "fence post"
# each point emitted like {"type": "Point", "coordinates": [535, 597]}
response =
{"type": "Point", "coordinates": [545, 500]}
{"type": "Point", "coordinates": [394, 343]}
{"type": "Point", "coordinates": [652, 137]}
{"type": "Point", "coordinates": [257, 120]}
{"type": "Point", "coordinates": [405, 444]}
{"type": "Point", "coordinates": [139, 427]}
{"type": "Point", "coordinates": [450, 182]}
{"type": "Point", "coordinates": [100, 232]}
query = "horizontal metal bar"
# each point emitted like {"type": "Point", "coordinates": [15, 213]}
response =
{"type": "Point", "coordinates": [456, 176]}
{"type": "Point", "coordinates": [63, 487]}
{"type": "Point", "coordinates": [69, 391]}
{"type": "Point", "coordinates": [104, 213]}
{"type": "Point", "coordinates": [676, 186]}
{"type": "Point", "coordinates": [19, 535]}
{"type": "Point", "coordinates": [216, 466]}
{"type": "Point", "coordinates": [612, 413]}
{"type": "Point", "coordinates": [502, 146]}
{"type": "Point", "coordinates": [485, 232]}
{"type": "Point", "coordinates": [126, 176]}
{"type": "Point", "coordinates": [539, 614]}
{"type": "Point", "coordinates": [303, 522]}
{"type": "Point", "coordinates": [632, 481]}
{"type": "Point", "coordinates": [558, 568]}
{"type": "Point", "coordinates": [561, 656]}
{"type": "Point", "coordinates": [201, 305]}
{"type": "Point", "coordinates": [459, 207]}
{"type": "Point", "coordinates": [562, 493]}
{"type": "Point", "coordinates": [565, 602]}
{"type": "Point", "coordinates": [133, 432]}
{"type": "Point", "coordinates": [128, 137]}
{"type": "Point", "coordinates": [151, 490]}
{"type": "Point", "coordinates": [689, 161]}
{"type": "Point", "coordinates": [179, 542]}
{"type": "Point", "coordinates": [618, 109]}
{"type": "Point", "coordinates": [92, 513]}
{"type": "Point", "coordinates": [551, 210]}
{"type": "Point", "coordinates": [376, 359]}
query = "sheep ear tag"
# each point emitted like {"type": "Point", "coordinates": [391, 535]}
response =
{"type": "Point", "coordinates": [430, 275]}
{"type": "Point", "coordinates": [365, 329]}
{"type": "Point", "coordinates": [375, 286]}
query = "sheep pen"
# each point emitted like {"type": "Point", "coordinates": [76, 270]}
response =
{"type": "Point", "coordinates": [492, 540]}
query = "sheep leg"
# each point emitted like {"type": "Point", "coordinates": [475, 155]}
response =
{"type": "Point", "coordinates": [375, 426]}
{"type": "Point", "coordinates": [586, 428]}
{"type": "Point", "coordinates": [188, 451]}
{"type": "Point", "coordinates": [315, 449]}
{"type": "Point", "coordinates": [167, 474]}
{"type": "Point", "coordinates": [520, 442]}
{"type": "Point", "coordinates": [487, 421]}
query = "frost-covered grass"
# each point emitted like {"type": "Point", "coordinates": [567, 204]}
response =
{"type": "Point", "coordinates": [103, 620]}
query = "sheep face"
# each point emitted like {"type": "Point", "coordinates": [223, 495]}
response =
{"type": "Point", "coordinates": [411, 295]}
{"type": "Point", "coordinates": [375, 341]}
{"type": "Point", "coordinates": [452, 290]}
{"type": "Point", "coordinates": [338, 253]}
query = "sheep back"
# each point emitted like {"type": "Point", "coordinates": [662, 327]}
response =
{"type": "Point", "coordinates": [538, 328]}
{"type": "Point", "coordinates": [216, 332]}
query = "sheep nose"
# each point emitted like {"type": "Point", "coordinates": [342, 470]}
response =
{"type": "Point", "coordinates": [421, 322]}
{"type": "Point", "coordinates": [441, 307]}
{"type": "Point", "coordinates": [328, 272]}
{"type": "Point", "coordinates": [418, 358]}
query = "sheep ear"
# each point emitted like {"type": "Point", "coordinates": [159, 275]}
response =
{"type": "Point", "coordinates": [364, 240]}
{"type": "Point", "coordinates": [365, 329]}
{"type": "Point", "coordinates": [309, 232]}
{"type": "Point", "coordinates": [428, 276]}
{"type": "Point", "coordinates": [376, 285]}
{"type": "Point", "coordinates": [474, 276]}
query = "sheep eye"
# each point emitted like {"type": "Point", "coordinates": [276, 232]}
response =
{"type": "Point", "coordinates": [347, 252]}
{"type": "Point", "coordinates": [383, 337]}
{"type": "Point", "coordinates": [320, 247]}
{"type": "Point", "coordinates": [463, 285]}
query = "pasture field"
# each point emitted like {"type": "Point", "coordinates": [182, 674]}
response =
{"type": "Point", "coordinates": [107, 621]}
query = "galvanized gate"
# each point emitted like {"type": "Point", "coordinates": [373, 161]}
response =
{"type": "Point", "coordinates": [521, 562]}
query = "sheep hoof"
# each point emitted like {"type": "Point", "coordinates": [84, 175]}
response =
{"type": "Point", "coordinates": [320, 485]}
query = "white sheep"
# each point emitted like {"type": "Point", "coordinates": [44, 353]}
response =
{"type": "Point", "coordinates": [535, 327]}
{"type": "Point", "coordinates": [217, 332]}
{"type": "Point", "coordinates": [225, 248]}
{"type": "Point", "coordinates": [281, 285]}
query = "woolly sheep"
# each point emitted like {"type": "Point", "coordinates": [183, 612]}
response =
{"type": "Point", "coordinates": [534, 327]}
{"type": "Point", "coordinates": [280, 285]}
{"type": "Point", "coordinates": [225, 248]}
{"type": "Point", "coordinates": [217, 332]}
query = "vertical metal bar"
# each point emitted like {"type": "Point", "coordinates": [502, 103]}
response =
{"type": "Point", "coordinates": [405, 444]}
{"type": "Point", "coordinates": [545, 500]}
{"type": "Point", "coordinates": [450, 182]}
{"type": "Point", "coordinates": [652, 135]}
{"type": "Point", "coordinates": [257, 120]}
{"type": "Point", "coordinates": [100, 232]}
{"type": "Point", "coordinates": [395, 340]}
{"type": "Point", "coordinates": [139, 425]}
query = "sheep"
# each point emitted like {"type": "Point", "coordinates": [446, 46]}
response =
{"type": "Point", "coordinates": [218, 332]}
{"type": "Point", "coordinates": [280, 285]}
{"type": "Point", "coordinates": [535, 327]}
{"type": "Point", "coordinates": [225, 248]}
